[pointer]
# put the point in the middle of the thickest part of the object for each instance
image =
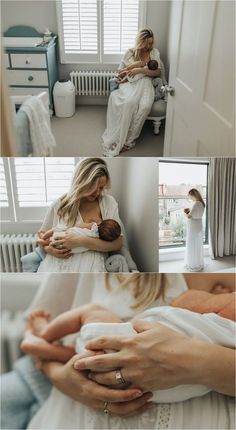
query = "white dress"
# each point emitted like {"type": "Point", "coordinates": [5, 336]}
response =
{"type": "Point", "coordinates": [89, 261]}
{"type": "Point", "coordinates": [212, 411]}
{"type": "Point", "coordinates": [194, 261]}
{"type": "Point", "coordinates": [128, 108]}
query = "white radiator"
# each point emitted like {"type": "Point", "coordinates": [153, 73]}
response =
{"type": "Point", "coordinates": [12, 329]}
{"type": "Point", "coordinates": [13, 247]}
{"type": "Point", "coordinates": [91, 83]}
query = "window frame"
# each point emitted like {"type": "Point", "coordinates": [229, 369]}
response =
{"type": "Point", "coordinates": [15, 213]}
{"type": "Point", "coordinates": [99, 58]}
{"type": "Point", "coordinates": [206, 163]}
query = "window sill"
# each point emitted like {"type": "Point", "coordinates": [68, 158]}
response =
{"type": "Point", "coordinates": [169, 254]}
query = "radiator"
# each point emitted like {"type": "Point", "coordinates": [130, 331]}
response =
{"type": "Point", "coordinates": [13, 247]}
{"type": "Point", "coordinates": [91, 83]}
{"type": "Point", "coordinates": [12, 329]}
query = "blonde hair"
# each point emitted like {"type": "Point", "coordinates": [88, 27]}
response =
{"type": "Point", "coordinates": [147, 287]}
{"type": "Point", "coordinates": [84, 182]}
{"type": "Point", "coordinates": [194, 192]}
{"type": "Point", "coordinates": [142, 37]}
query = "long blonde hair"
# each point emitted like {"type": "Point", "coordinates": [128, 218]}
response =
{"type": "Point", "coordinates": [142, 37]}
{"type": "Point", "coordinates": [84, 182]}
{"type": "Point", "coordinates": [147, 287]}
{"type": "Point", "coordinates": [194, 192]}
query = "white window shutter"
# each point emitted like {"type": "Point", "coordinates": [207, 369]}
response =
{"type": "Point", "coordinates": [78, 24]}
{"type": "Point", "coordinates": [120, 23]}
{"type": "Point", "coordinates": [37, 182]}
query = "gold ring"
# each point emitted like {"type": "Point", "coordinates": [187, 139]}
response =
{"type": "Point", "coordinates": [105, 410]}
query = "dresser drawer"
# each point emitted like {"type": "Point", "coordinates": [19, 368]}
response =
{"type": "Point", "coordinates": [30, 61]}
{"type": "Point", "coordinates": [27, 77]}
{"type": "Point", "coordinates": [6, 60]}
{"type": "Point", "coordinates": [14, 91]}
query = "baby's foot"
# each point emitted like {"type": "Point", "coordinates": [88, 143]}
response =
{"type": "Point", "coordinates": [39, 347]}
{"type": "Point", "coordinates": [38, 320]}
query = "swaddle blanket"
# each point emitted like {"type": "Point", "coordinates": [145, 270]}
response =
{"type": "Point", "coordinates": [116, 263]}
{"type": "Point", "coordinates": [93, 232]}
{"type": "Point", "coordinates": [204, 302]}
{"type": "Point", "coordinates": [208, 327]}
{"type": "Point", "coordinates": [42, 139]}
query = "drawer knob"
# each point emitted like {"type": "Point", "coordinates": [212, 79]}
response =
{"type": "Point", "coordinates": [30, 78]}
{"type": "Point", "coordinates": [27, 61]}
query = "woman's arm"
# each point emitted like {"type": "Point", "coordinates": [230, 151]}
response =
{"type": "Point", "coordinates": [145, 71]}
{"type": "Point", "coordinates": [160, 358]}
{"type": "Point", "coordinates": [72, 240]}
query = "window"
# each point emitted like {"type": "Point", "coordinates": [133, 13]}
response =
{"type": "Point", "coordinates": [33, 183]}
{"type": "Point", "coordinates": [98, 31]}
{"type": "Point", "coordinates": [176, 178]}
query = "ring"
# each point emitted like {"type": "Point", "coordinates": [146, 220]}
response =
{"type": "Point", "coordinates": [119, 377]}
{"type": "Point", "coordinates": [105, 410]}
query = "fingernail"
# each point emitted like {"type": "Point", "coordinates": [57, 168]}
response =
{"type": "Point", "coordinates": [149, 396]}
{"type": "Point", "coordinates": [138, 393]}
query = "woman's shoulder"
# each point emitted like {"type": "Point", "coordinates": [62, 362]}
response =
{"type": "Point", "coordinates": [55, 204]}
{"type": "Point", "coordinates": [109, 200]}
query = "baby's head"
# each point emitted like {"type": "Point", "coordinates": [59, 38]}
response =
{"type": "Point", "coordinates": [109, 230]}
{"type": "Point", "coordinates": [153, 65]}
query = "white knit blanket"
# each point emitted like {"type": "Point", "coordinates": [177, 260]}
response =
{"type": "Point", "coordinates": [42, 139]}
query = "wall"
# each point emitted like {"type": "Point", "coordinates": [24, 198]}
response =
{"type": "Point", "coordinates": [135, 186]}
{"type": "Point", "coordinates": [42, 13]}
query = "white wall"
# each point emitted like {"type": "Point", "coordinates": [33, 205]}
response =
{"type": "Point", "coordinates": [135, 186]}
{"type": "Point", "coordinates": [42, 13]}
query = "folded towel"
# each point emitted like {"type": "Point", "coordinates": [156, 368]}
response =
{"type": "Point", "coordinates": [42, 139]}
{"type": "Point", "coordinates": [116, 263]}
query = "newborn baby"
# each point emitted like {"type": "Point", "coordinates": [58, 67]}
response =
{"type": "Point", "coordinates": [108, 230]}
{"type": "Point", "coordinates": [151, 65]}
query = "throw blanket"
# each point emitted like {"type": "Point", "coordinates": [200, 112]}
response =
{"type": "Point", "coordinates": [42, 139]}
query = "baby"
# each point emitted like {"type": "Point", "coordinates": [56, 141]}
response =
{"type": "Point", "coordinates": [108, 230]}
{"type": "Point", "coordinates": [124, 73]}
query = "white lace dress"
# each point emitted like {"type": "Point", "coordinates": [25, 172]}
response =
{"type": "Point", "coordinates": [128, 108]}
{"type": "Point", "coordinates": [212, 411]}
{"type": "Point", "coordinates": [194, 261]}
{"type": "Point", "coordinates": [88, 261]}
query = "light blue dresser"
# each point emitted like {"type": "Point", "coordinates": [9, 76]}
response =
{"type": "Point", "coordinates": [30, 70]}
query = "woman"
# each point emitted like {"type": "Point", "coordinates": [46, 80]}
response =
{"type": "Point", "coordinates": [129, 106]}
{"type": "Point", "coordinates": [156, 358]}
{"type": "Point", "coordinates": [86, 201]}
{"type": "Point", "coordinates": [194, 238]}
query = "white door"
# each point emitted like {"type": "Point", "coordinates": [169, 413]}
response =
{"type": "Point", "coordinates": [200, 114]}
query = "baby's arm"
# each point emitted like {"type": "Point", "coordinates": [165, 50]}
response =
{"type": "Point", "coordinates": [132, 66]}
{"type": "Point", "coordinates": [71, 321]}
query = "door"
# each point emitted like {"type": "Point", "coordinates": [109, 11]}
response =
{"type": "Point", "coordinates": [200, 114]}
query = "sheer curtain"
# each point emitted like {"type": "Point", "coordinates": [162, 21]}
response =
{"type": "Point", "coordinates": [222, 200]}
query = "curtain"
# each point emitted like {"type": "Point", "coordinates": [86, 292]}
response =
{"type": "Point", "coordinates": [222, 199]}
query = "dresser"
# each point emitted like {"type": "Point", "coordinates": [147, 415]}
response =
{"type": "Point", "coordinates": [30, 69]}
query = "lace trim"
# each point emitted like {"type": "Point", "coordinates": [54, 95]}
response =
{"type": "Point", "coordinates": [163, 416]}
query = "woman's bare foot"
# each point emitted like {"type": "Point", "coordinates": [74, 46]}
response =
{"type": "Point", "coordinates": [37, 321]}
{"type": "Point", "coordinates": [125, 148]}
{"type": "Point", "coordinates": [220, 289]}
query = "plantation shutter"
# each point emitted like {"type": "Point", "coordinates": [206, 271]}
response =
{"type": "Point", "coordinates": [79, 35]}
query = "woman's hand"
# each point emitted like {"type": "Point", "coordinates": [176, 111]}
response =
{"type": "Point", "coordinates": [79, 387]}
{"type": "Point", "coordinates": [153, 359]}
{"type": "Point", "coordinates": [134, 72]}
{"type": "Point", "coordinates": [58, 253]}
{"type": "Point", "coordinates": [69, 240]}
{"type": "Point", "coordinates": [160, 358]}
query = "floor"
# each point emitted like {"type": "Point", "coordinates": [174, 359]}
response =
{"type": "Point", "coordinates": [81, 134]}
{"type": "Point", "coordinates": [219, 264]}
